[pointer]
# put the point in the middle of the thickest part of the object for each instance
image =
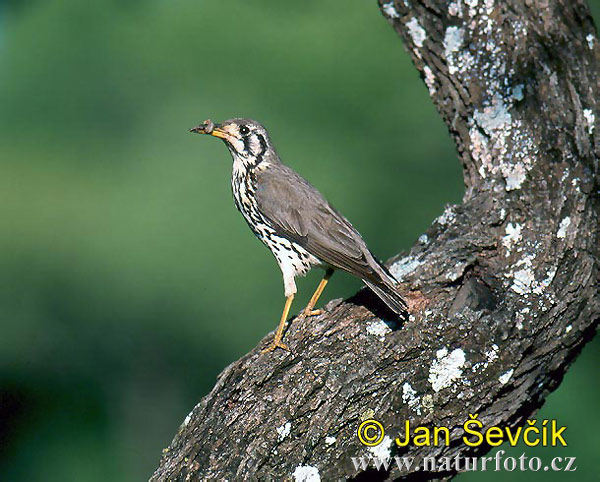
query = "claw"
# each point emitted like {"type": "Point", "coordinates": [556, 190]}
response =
{"type": "Point", "coordinates": [306, 313]}
{"type": "Point", "coordinates": [274, 345]}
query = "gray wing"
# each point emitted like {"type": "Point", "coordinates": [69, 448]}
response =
{"type": "Point", "coordinates": [299, 212]}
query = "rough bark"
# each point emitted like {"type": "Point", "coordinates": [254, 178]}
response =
{"type": "Point", "coordinates": [504, 286]}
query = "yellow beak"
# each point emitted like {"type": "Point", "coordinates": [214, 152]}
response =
{"type": "Point", "coordinates": [218, 132]}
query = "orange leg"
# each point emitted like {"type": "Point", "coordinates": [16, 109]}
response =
{"type": "Point", "coordinates": [277, 343]}
{"type": "Point", "coordinates": [308, 311]}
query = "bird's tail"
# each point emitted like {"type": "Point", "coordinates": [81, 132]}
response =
{"type": "Point", "coordinates": [388, 293]}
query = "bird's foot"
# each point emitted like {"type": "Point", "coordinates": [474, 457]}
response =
{"type": "Point", "coordinates": [274, 345]}
{"type": "Point", "coordinates": [306, 312]}
{"type": "Point", "coordinates": [313, 312]}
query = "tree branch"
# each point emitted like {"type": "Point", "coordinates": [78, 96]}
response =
{"type": "Point", "coordinates": [505, 287]}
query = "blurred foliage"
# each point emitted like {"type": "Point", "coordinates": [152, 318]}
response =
{"type": "Point", "coordinates": [128, 280]}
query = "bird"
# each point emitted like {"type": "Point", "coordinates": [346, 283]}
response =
{"type": "Point", "coordinates": [295, 221]}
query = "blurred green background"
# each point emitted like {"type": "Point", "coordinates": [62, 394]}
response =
{"type": "Point", "coordinates": [128, 279]}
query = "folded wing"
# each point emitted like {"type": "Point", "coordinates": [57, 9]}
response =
{"type": "Point", "coordinates": [300, 213]}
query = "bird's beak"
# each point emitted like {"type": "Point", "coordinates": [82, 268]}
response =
{"type": "Point", "coordinates": [208, 127]}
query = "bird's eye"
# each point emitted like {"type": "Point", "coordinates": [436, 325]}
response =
{"type": "Point", "coordinates": [244, 130]}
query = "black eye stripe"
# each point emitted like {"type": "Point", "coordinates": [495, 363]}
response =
{"type": "Point", "coordinates": [263, 144]}
{"type": "Point", "coordinates": [246, 140]}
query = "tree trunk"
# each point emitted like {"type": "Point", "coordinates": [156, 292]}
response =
{"type": "Point", "coordinates": [504, 287]}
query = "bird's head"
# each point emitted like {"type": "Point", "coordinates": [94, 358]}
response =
{"type": "Point", "coordinates": [245, 138]}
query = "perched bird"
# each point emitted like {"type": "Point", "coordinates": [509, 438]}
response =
{"type": "Point", "coordinates": [294, 220]}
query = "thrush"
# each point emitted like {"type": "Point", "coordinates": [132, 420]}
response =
{"type": "Point", "coordinates": [295, 221]}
